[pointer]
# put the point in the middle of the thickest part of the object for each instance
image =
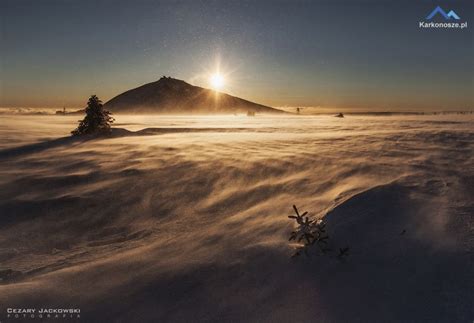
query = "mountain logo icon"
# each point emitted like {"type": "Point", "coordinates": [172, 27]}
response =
{"type": "Point", "coordinates": [448, 16]}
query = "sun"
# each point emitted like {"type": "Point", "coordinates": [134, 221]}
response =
{"type": "Point", "coordinates": [217, 81]}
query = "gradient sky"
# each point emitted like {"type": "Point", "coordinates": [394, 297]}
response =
{"type": "Point", "coordinates": [353, 54]}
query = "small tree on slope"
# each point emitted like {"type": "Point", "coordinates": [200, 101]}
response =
{"type": "Point", "coordinates": [96, 121]}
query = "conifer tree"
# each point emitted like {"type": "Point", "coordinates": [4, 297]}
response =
{"type": "Point", "coordinates": [97, 119]}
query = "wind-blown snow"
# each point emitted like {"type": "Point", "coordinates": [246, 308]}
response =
{"type": "Point", "coordinates": [189, 223]}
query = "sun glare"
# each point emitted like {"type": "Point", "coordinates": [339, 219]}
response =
{"type": "Point", "coordinates": [217, 81]}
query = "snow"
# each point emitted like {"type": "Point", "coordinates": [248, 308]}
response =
{"type": "Point", "coordinates": [186, 218]}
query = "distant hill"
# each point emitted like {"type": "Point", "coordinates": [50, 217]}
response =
{"type": "Point", "coordinates": [169, 95]}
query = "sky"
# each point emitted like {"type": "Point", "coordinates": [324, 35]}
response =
{"type": "Point", "coordinates": [323, 54]}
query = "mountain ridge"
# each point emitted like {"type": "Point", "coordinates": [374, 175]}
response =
{"type": "Point", "coordinates": [170, 95]}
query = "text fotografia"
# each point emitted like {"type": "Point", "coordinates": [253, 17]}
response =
{"type": "Point", "coordinates": [42, 313]}
{"type": "Point", "coordinates": [450, 20]}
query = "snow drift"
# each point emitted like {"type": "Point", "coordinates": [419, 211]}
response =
{"type": "Point", "coordinates": [187, 221]}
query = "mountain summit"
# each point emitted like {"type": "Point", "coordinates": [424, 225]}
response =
{"type": "Point", "coordinates": [169, 95]}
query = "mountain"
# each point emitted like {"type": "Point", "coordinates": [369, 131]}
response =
{"type": "Point", "coordinates": [169, 95]}
{"type": "Point", "coordinates": [452, 14]}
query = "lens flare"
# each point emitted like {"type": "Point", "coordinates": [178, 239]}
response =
{"type": "Point", "coordinates": [216, 81]}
